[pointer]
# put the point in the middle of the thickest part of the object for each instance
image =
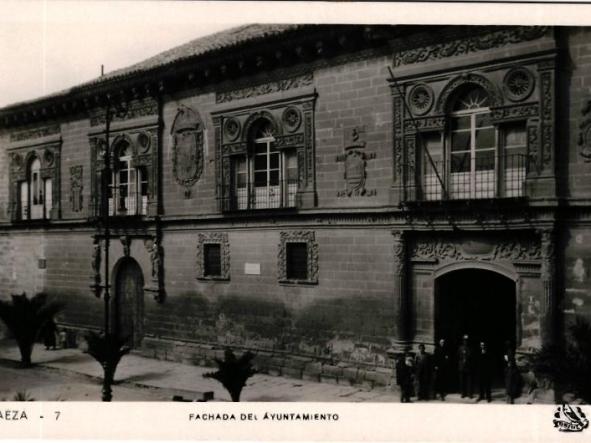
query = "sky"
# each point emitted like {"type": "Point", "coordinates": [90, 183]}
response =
{"type": "Point", "coordinates": [47, 46]}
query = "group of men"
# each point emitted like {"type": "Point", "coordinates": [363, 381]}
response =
{"type": "Point", "coordinates": [431, 374]}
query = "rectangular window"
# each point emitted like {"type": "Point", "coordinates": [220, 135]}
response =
{"type": "Point", "coordinates": [297, 261]}
{"type": "Point", "coordinates": [514, 159]}
{"type": "Point", "coordinates": [212, 260]}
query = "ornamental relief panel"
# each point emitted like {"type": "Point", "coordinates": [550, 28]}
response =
{"type": "Point", "coordinates": [187, 148]}
{"type": "Point", "coordinates": [443, 249]}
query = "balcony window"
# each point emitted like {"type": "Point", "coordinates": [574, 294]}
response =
{"type": "Point", "coordinates": [481, 160]}
{"type": "Point", "coordinates": [127, 185]}
{"type": "Point", "coordinates": [35, 194]}
{"type": "Point", "coordinates": [266, 177]}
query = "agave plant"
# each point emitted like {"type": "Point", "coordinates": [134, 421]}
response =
{"type": "Point", "coordinates": [233, 372]}
{"type": "Point", "coordinates": [25, 318]}
{"type": "Point", "coordinates": [107, 350]}
{"type": "Point", "coordinates": [22, 396]}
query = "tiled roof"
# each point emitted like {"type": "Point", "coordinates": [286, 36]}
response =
{"type": "Point", "coordinates": [203, 45]}
{"type": "Point", "coordinates": [200, 46]}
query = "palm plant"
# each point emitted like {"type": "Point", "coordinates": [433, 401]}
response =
{"type": "Point", "coordinates": [233, 372]}
{"type": "Point", "coordinates": [107, 350]}
{"type": "Point", "coordinates": [25, 318]}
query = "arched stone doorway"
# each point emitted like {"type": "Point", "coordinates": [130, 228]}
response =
{"type": "Point", "coordinates": [127, 313]}
{"type": "Point", "coordinates": [480, 303]}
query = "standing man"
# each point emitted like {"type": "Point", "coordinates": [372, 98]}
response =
{"type": "Point", "coordinates": [465, 367]}
{"type": "Point", "coordinates": [423, 371]}
{"type": "Point", "coordinates": [404, 378]}
{"type": "Point", "coordinates": [441, 362]}
{"type": "Point", "coordinates": [485, 371]}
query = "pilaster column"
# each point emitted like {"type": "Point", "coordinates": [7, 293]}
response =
{"type": "Point", "coordinates": [548, 275]}
{"type": "Point", "coordinates": [400, 290]}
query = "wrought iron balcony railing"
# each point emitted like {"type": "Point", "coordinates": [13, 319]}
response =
{"type": "Point", "coordinates": [464, 178]}
{"type": "Point", "coordinates": [121, 203]}
{"type": "Point", "coordinates": [251, 196]}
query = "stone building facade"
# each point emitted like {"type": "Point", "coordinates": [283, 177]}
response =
{"type": "Point", "coordinates": [324, 195]}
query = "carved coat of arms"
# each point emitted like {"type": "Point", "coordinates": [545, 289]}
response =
{"type": "Point", "coordinates": [187, 133]}
{"type": "Point", "coordinates": [355, 172]}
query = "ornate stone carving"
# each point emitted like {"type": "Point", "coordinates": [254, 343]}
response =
{"type": "Point", "coordinates": [399, 252]}
{"type": "Point", "coordinates": [533, 148]}
{"type": "Point", "coordinates": [144, 142]}
{"type": "Point", "coordinates": [307, 237]}
{"type": "Point", "coordinates": [126, 243]}
{"type": "Point", "coordinates": [518, 84]}
{"type": "Point", "coordinates": [219, 238]}
{"type": "Point", "coordinates": [156, 284]}
{"type": "Point", "coordinates": [291, 118]}
{"type": "Point", "coordinates": [397, 116]}
{"type": "Point", "coordinates": [441, 248]}
{"type": "Point", "coordinates": [76, 186]}
{"type": "Point", "coordinates": [135, 109]}
{"type": "Point", "coordinates": [420, 99]}
{"type": "Point", "coordinates": [355, 163]}
{"type": "Point", "coordinates": [187, 148]}
{"type": "Point", "coordinates": [515, 112]}
{"type": "Point", "coordinates": [547, 98]}
{"type": "Point", "coordinates": [17, 162]}
{"type": "Point", "coordinates": [448, 90]}
{"type": "Point", "coordinates": [469, 44]}
{"type": "Point", "coordinates": [35, 133]}
{"type": "Point", "coordinates": [584, 139]}
{"type": "Point", "coordinates": [231, 129]}
{"type": "Point", "coordinates": [424, 124]}
{"type": "Point", "coordinates": [96, 267]}
{"type": "Point", "coordinates": [267, 88]}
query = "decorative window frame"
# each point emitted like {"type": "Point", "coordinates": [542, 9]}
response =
{"type": "Point", "coordinates": [216, 238]}
{"type": "Point", "coordinates": [145, 146]}
{"type": "Point", "coordinates": [293, 119]}
{"type": "Point", "coordinates": [48, 151]}
{"type": "Point", "coordinates": [429, 92]}
{"type": "Point", "coordinates": [308, 237]}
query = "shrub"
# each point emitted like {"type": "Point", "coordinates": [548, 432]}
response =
{"type": "Point", "coordinates": [25, 318]}
{"type": "Point", "coordinates": [568, 367]}
{"type": "Point", "coordinates": [233, 372]}
{"type": "Point", "coordinates": [108, 351]}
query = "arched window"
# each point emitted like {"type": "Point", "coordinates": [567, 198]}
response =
{"type": "Point", "coordinates": [474, 157]}
{"type": "Point", "coordinates": [128, 185]}
{"type": "Point", "coordinates": [35, 193]}
{"type": "Point", "coordinates": [265, 177]}
{"type": "Point", "coordinates": [473, 141]}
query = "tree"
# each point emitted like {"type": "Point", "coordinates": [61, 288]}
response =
{"type": "Point", "coordinates": [107, 350]}
{"type": "Point", "coordinates": [25, 318]}
{"type": "Point", "coordinates": [233, 372]}
{"type": "Point", "coordinates": [568, 367]}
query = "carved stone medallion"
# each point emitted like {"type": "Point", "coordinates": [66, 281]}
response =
{"type": "Point", "coordinates": [231, 129]}
{"type": "Point", "coordinates": [292, 118]}
{"type": "Point", "coordinates": [518, 84]}
{"type": "Point", "coordinates": [187, 132]}
{"type": "Point", "coordinates": [420, 99]}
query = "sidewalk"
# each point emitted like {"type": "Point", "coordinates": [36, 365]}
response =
{"type": "Point", "coordinates": [167, 378]}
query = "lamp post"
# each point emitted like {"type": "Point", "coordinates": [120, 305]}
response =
{"type": "Point", "coordinates": [108, 349]}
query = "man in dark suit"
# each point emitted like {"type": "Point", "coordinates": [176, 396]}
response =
{"type": "Point", "coordinates": [465, 367]}
{"type": "Point", "coordinates": [484, 366]}
{"type": "Point", "coordinates": [441, 362]}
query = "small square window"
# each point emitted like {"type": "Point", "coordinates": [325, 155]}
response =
{"type": "Point", "coordinates": [297, 261]}
{"type": "Point", "coordinates": [212, 266]}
